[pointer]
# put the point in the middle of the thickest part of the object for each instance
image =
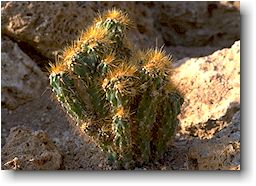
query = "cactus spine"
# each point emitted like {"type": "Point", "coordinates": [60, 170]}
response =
{"type": "Point", "coordinates": [119, 96]}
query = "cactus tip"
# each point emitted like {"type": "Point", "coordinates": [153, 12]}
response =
{"type": "Point", "coordinates": [57, 68]}
{"type": "Point", "coordinates": [124, 70]}
{"type": "Point", "coordinates": [69, 52]}
{"type": "Point", "coordinates": [119, 16]}
{"type": "Point", "coordinates": [94, 34]}
{"type": "Point", "coordinates": [156, 59]}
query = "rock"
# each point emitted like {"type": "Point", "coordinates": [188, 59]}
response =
{"type": "Point", "coordinates": [198, 24]}
{"type": "Point", "coordinates": [21, 79]}
{"type": "Point", "coordinates": [27, 150]}
{"type": "Point", "coordinates": [222, 152]}
{"type": "Point", "coordinates": [181, 52]}
{"type": "Point", "coordinates": [211, 86]}
{"type": "Point", "coordinates": [51, 26]}
{"type": "Point", "coordinates": [47, 26]}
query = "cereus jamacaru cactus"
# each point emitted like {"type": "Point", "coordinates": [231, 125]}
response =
{"type": "Point", "coordinates": [121, 97]}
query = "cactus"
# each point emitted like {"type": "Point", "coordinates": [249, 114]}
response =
{"type": "Point", "coordinates": [121, 97]}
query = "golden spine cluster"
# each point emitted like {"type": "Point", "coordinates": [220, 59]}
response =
{"type": "Point", "coordinates": [118, 95]}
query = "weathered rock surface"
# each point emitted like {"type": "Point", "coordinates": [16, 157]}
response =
{"type": "Point", "coordinates": [27, 150]}
{"type": "Point", "coordinates": [21, 78]}
{"type": "Point", "coordinates": [222, 152]}
{"type": "Point", "coordinates": [198, 24]}
{"type": "Point", "coordinates": [47, 26]}
{"type": "Point", "coordinates": [80, 153]}
{"type": "Point", "coordinates": [211, 85]}
{"type": "Point", "coordinates": [50, 26]}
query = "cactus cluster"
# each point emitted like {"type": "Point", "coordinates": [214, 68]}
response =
{"type": "Point", "coordinates": [121, 97]}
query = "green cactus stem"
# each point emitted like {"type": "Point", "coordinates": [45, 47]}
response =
{"type": "Point", "coordinates": [65, 92]}
{"type": "Point", "coordinates": [117, 94]}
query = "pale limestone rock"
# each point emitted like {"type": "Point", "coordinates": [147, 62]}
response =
{"type": "Point", "coordinates": [211, 85]}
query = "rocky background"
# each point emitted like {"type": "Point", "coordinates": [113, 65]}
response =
{"type": "Point", "coordinates": [204, 39]}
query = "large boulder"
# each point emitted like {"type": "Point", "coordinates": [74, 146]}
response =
{"type": "Point", "coordinates": [198, 23]}
{"type": "Point", "coordinates": [211, 86]}
{"type": "Point", "coordinates": [47, 26]}
{"type": "Point", "coordinates": [28, 150]}
{"type": "Point", "coordinates": [21, 78]}
{"type": "Point", "coordinates": [50, 26]}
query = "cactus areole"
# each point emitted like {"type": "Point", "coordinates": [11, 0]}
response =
{"type": "Point", "coordinates": [123, 98]}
